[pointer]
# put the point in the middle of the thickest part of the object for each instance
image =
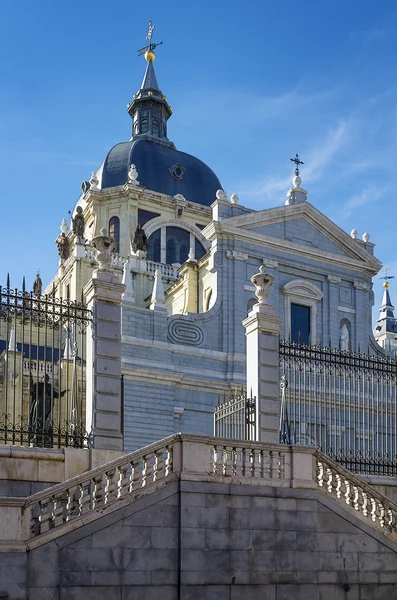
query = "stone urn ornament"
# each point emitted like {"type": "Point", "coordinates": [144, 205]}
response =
{"type": "Point", "coordinates": [262, 282]}
{"type": "Point", "coordinates": [133, 175]}
{"type": "Point", "coordinates": [104, 246]}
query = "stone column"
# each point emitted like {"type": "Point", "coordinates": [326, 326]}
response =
{"type": "Point", "coordinates": [104, 410]}
{"type": "Point", "coordinates": [262, 333]}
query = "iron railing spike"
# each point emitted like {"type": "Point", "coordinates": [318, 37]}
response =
{"type": "Point", "coordinates": [8, 280]}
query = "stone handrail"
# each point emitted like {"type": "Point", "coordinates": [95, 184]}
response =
{"type": "Point", "coordinates": [97, 488]}
{"type": "Point", "coordinates": [196, 458]}
{"type": "Point", "coordinates": [349, 489]}
{"type": "Point", "coordinates": [117, 261]}
{"type": "Point", "coordinates": [166, 271]}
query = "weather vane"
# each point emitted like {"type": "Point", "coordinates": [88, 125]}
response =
{"type": "Point", "coordinates": [149, 36]}
{"type": "Point", "coordinates": [297, 163]}
{"type": "Point", "coordinates": [386, 276]}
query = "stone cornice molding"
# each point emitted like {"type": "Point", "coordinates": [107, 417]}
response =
{"type": "Point", "coordinates": [361, 285]}
{"type": "Point", "coordinates": [236, 255]}
{"type": "Point", "coordinates": [334, 279]}
{"type": "Point", "coordinates": [223, 229]}
{"type": "Point", "coordinates": [301, 287]}
{"type": "Point", "coordinates": [327, 227]}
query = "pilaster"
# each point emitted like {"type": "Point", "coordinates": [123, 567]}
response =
{"type": "Point", "coordinates": [104, 407]}
{"type": "Point", "coordinates": [262, 333]}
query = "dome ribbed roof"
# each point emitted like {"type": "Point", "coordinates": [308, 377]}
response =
{"type": "Point", "coordinates": [161, 168]}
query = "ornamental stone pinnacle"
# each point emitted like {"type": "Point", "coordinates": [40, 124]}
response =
{"type": "Point", "coordinates": [262, 283]}
{"type": "Point", "coordinates": [104, 246]}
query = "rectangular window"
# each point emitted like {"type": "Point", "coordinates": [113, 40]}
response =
{"type": "Point", "coordinates": [300, 323]}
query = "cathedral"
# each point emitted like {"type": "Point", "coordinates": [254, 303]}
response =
{"type": "Point", "coordinates": [186, 253]}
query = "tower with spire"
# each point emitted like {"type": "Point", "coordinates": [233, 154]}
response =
{"type": "Point", "coordinates": [149, 108]}
{"type": "Point", "coordinates": [385, 331]}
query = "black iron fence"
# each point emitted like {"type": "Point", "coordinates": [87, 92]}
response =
{"type": "Point", "coordinates": [342, 402]}
{"type": "Point", "coordinates": [42, 369]}
{"type": "Point", "coordinates": [235, 418]}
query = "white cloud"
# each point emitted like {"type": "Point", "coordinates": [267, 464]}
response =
{"type": "Point", "coordinates": [271, 188]}
{"type": "Point", "coordinates": [370, 193]}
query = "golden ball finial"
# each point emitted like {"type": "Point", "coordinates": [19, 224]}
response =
{"type": "Point", "coordinates": [150, 56]}
{"type": "Point", "coordinates": [386, 285]}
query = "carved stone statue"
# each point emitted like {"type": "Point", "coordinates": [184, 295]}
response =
{"type": "Point", "coordinates": [344, 337]}
{"type": "Point", "coordinates": [133, 175]}
{"type": "Point", "coordinates": [63, 246]}
{"type": "Point", "coordinates": [37, 285]}
{"type": "Point", "coordinates": [140, 240]}
{"type": "Point", "coordinates": [78, 223]}
{"type": "Point", "coordinates": [40, 412]}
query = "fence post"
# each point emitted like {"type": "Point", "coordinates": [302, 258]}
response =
{"type": "Point", "coordinates": [262, 332]}
{"type": "Point", "coordinates": [104, 402]}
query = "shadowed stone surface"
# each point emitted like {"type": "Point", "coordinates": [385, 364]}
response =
{"type": "Point", "coordinates": [204, 545]}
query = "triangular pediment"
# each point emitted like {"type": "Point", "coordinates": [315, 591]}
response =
{"type": "Point", "coordinates": [301, 228]}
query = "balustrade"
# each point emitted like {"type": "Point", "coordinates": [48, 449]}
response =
{"type": "Point", "coordinates": [208, 458]}
{"type": "Point", "coordinates": [350, 490]}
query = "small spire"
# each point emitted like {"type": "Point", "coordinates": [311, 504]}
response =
{"type": "Point", "coordinates": [149, 109]}
{"type": "Point", "coordinates": [386, 325]}
{"type": "Point", "coordinates": [12, 344]}
{"type": "Point", "coordinates": [157, 300]}
{"type": "Point", "coordinates": [68, 350]}
{"type": "Point", "coordinates": [296, 194]}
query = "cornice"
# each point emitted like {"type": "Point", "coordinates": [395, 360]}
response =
{"type": "Point", "coordinates": [223, 229]}
{"type": "Point", "coordinates": [315, 218]}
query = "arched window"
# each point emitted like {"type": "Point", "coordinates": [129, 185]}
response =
{"type": "Point", "coordinates": [144, 128]}
{"type": "Point", "coordinates": [114, 231]}
{"type": "Point", "coordinates": [198, 250]}
{"type": "Point", "coordinates": [153, 248]}
{"type": "Point", "coordinates": [178, 244]}
{"type": "Point", "coordinates": [156, 127]}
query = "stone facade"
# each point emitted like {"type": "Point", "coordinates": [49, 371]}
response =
{"type": "Point", "coordinates": [177, 365]}
{"type": "Point", "coordinates": [206, 541]}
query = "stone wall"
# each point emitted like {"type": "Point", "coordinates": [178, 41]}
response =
{"type": "Point", "coordinates": [26, 471]}
{"type": "Point", "coordinates": [211, 541]}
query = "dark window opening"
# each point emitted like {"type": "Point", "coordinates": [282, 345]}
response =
{"type": "Point", "coordinates": [300, 323]}
{"type": "Point", "coordinates": [153, 248]}
{"type": "Point", "coordinates": [178, 242]}
{"type": "Point", "coordinates": [145, 215]}
{"type": "Point", "coordinates": [156, 127]}
{"type": "Point", "coordinates": [114, 231]}
{"type": "Point", "coordinates": [198, 250]}
{"type": "Point", "coordinates": [144, 126]}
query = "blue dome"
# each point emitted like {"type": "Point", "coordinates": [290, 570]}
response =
{"type": "Point", "coordinates": [162, 169]}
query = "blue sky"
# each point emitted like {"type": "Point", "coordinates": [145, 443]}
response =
{"type": "Point", "coordinates": [250, 85]}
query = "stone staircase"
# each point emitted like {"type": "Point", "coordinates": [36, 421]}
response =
{"type": "Point", "coordinates": [29, 522]}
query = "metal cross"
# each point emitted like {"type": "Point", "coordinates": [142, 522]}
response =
{"type": "Point", "coordinates": [149, 37]}
{"type": "Point", "coordinates": [150, 31]}
{"type": "Point", "coordinates": [297, 163]}
{"type": "Point", "coordinates": [386, 270]}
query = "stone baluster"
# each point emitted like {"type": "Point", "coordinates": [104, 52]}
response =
{"type": "Point", "coordinates": [169, 462]}
{"type": "Point", "coordinates": [85, 499]}
{"type": "Point", "coordinates": [33, 516]}
{"type": "Point", "coordinates": [110, 487]}
{"type": "Point", "coordinates": [97, 492]}
{"type": "Point", "coordinates": [58, 516]}
{"type": "Point", "coordinates": [45, 514]}
{"type": "Point", "coordinates": [137, 468]}
{"type": "Point", "coordinates": [72, 507]}
{"type": "Point", "coordinates": [123, 480]}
